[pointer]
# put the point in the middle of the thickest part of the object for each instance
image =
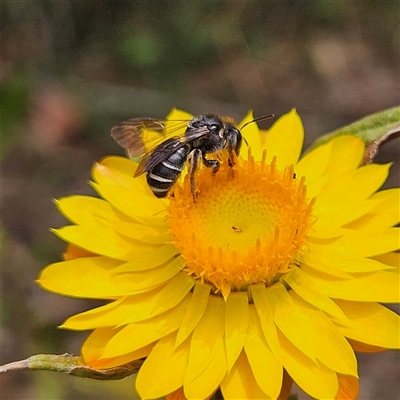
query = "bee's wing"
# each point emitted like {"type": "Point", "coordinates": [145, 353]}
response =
{"type": "Point", "coordinates": [139, 136]}
{"type": "Point", "coordinates": [196, 133]}
{"type": "Point", "coordinates": [168, 147]}
{"type": "Point", "coordinates": [160, 153]}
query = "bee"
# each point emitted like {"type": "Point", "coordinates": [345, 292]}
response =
{"type": "Point", "coordinates": [166, 146]}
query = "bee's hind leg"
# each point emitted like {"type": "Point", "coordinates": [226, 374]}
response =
{"type": "Point", "coordinates": [195, 157]}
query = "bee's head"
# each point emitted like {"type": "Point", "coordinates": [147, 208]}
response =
{"type": "Point", "coordinates": [220, 129]}
{"type": "Point", "coordinates": [224, 127]}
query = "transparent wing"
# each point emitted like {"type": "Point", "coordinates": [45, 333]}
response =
{"type": "Point", "coordinates": [168, 147]}
{"type": "Point", "coordinates": [140, 136]}
{"type": "Point", "coordinates": [160, 153]}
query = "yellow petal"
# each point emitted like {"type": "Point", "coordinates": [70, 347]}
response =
{"type": "Point", "coordinates": [82, 277]}
{"type": "Point", "coordinates": [305, 288]}
{"type": "Point", "coordinates": [140, 207]}
{"type": "Point", "coordinates": [195, 311]}
{"type": "Point", "coordinates": [286, 386]}
{"type": "Point", "coordinates": [340, 214]}
{"type": "Point", "coordinates": [306, 166]}
{"type": "Point", "coordinates": [106, 363]}
{"type": "Point", "coordinates": [136, 287]}
{"type": "Point", "coordinates": [367, 320]}
{"type": "Point", "coordinates": [172, 294]}
{"type": "Point", "coordinates": [236, 319]}
{"type": "Point", "coordinates": [252, 135]}
{"type": "Point", "coordinates": [102, 241]}
{"type": "Point", "coordinates": [164, 369]}
{"type": "Point", "coordinates": [285, 140]}
{"type": "Point", "coordinates": [349, 150]}
{"type": "Point", "coordinates": [363, 347]}
{"type": "Point", "coordinates": [208, 381]}
{"type": "Point", "coordinates": [348, 388]}
{"type": "Point", "coordinates": [330, 345]}
{"type": "Point", "coordinates": [324, 266]}
{"type": "Point", "coordinates": [369, 244]}
{"type": "Point", "coordinates": [240, 383]}
{"type": "Point", "coordinates": [155, 234]}
{"type": "Point", "coordinates": [316, 380]}
{"type": "Point", "coordinates": [94, 347]}
{"type": "Point", "coordinates": [148, 260]}
{"type": "Point", "coordinates": [148, 279]}
{"type": "Point", "coordinates": [177, 395]}
{"type": "Point", "coordinates": [316, 186]}
{"type": "Point", "coordinates": [391, 259]}
{"type": "Point", "coordinates": [140, 334]}
{"type": "Point", "coordinates": [95, 344]}
{"type": "Point", "coordinates": [85, 210]}
{"type": "Point", "coordinates": [357, 186]}
{"type": "Point", "coordinates": [132, 308]}
{"type": "Point", "coordinates": [179, 115]}
{"type": "Point", "coordinates": [72, 252]}
{"type": "Point", "coordinates": [290, 320]}
{"type": "Point", "coordinates": [266, 368]}
{"type": "Point", "coordinates": [100, 317]}
{"type": "Point", "coordinates": [207, 337]}
{"type": "Point", "coordinates": [264, 311]}
{"type": "Point", "coordinates": [382, 286]}
{"type": "Point", "coordinates": [325, 231]}
{"type": "Point", "coordinates": [334, 256]}
{"type": "Point", "coordinates": [384, 215]}
{"type": "Point", "coordinates": [117, 171]}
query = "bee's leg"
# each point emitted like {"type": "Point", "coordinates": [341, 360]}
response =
{"type": "Point", "coordinates": [231, 157]}
{"type": "Point", "coordinates": [213, 164]}
{"type": "Point", "coordinates": [195, 157]}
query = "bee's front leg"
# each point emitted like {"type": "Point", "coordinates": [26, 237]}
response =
{"type": "Point", "coordinates": [213, 164]}
{"type": "Point", "coordinates": [194, 158]}
{"type": "Point", "coordinates": [232, 156]}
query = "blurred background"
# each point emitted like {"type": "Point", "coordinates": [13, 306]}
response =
{"type": "Point", "coordinates": [73, 69]}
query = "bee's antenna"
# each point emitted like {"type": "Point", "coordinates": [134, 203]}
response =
{"type": "Point", "coordinates": [263, 118]}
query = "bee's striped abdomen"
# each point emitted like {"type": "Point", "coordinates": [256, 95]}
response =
{"type": "Point", "coordinates": [164, 175]}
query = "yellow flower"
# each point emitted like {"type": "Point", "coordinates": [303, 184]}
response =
{"type": "Point", "coordinates": [274, 274]}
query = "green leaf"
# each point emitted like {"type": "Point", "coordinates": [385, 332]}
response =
{"type": "Point", "coordinates": [374, 130]}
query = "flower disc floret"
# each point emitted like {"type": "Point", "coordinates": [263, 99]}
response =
{"type": "Point", "coordinates": [247, 226]}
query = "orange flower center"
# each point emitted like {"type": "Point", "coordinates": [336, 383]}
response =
{"type": "Point", "coordinates": [247, 226]}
